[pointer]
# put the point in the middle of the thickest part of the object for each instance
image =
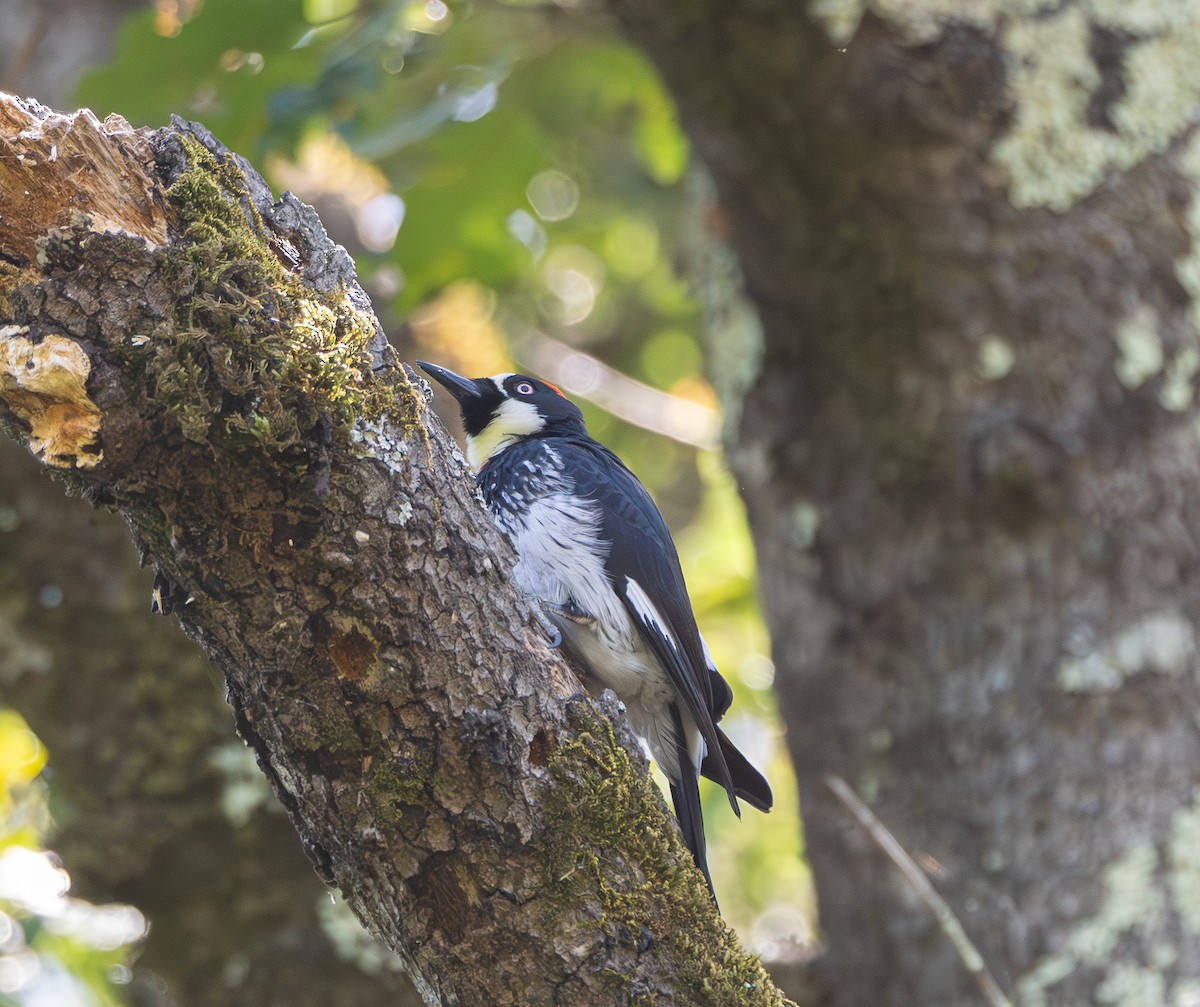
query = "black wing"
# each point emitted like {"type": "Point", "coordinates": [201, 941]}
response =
{"type": "Point", "coordinates": [642, 550]}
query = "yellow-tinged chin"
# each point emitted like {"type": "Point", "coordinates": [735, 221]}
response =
{"type": "Point", "coordinates": [513, 420]}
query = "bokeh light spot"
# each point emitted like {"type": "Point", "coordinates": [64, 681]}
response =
{"type": "Point", "coordinates": [575, 276]}
{"type": "Point", "coordinates": [528, 232]}
{"type": "Point", "coordinates": [378, 221]}
{"type": "Point", "coordinates": [553, 194]}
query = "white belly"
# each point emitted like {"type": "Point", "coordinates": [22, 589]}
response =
{"type": "Point", "coordinates": [561, 565]}
{"type": "Point", "coordinates": [640, 683]}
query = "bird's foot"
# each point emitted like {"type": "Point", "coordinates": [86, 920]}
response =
{"type": "Point", "coordinates": [550, 629]}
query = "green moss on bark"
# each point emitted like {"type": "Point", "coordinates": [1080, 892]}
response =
{"type": "Point", "coordinates": [253, 358]}
{"type": "Point", "coordinates": [391, 787]}
{"type": "Point", "coordinates": [604, 808]}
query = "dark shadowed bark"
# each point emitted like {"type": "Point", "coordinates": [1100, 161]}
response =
{"type": "Point", "coordinates": [966, 438]}
{"type": "Point", "coordinates": [200, 358]}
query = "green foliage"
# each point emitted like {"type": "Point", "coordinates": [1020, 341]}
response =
{"type": "Point", "coordinates": [53, 949]}
{"type": "Point", "coordinates": [461, 122]}
{"type": "Point", "coordinates": [212, 74]}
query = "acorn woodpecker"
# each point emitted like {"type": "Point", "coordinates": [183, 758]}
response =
{"type": "Point", "coordinates": [595, 554]}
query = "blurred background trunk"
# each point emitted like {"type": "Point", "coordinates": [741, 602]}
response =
{"type": "Point", "coordinates": [966, 436]}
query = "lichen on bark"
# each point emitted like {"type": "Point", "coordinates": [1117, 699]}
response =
{"type": "Point", "coordinates": [1076, 116]}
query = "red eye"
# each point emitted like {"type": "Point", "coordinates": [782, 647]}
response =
{"type": "Point", "coordinates": [524, 388]}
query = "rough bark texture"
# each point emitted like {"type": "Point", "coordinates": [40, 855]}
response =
{"type": "Point", "coordinates": [200, 358]}
{"type": "Point", "coordinates": [156, 801]}
{"type": "Point", "coordinates": [967, 444]}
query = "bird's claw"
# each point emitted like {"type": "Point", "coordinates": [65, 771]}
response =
{"type": "Point", "coordinates": [551, 628]}
{"type": "Point", "coordinates": [571, 611]}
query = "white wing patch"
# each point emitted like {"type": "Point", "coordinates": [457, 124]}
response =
{"type": "Point", "coordinates": [659, 728]}
{"type": "Point", "coordinates": [647, 612]}
{"type": "Point", "coordinates": [512, 420]}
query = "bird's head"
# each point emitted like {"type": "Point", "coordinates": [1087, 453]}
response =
{"type": "Point", "coordinates": [502, 409]}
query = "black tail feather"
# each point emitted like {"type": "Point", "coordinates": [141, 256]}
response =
{"type": "Point", "coordinates": [685, 795]}
{"type": "Point", "coordinates": [748, 782]}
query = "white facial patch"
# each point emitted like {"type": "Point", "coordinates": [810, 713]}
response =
{"type": "Point", "coordinates": [513, 419]}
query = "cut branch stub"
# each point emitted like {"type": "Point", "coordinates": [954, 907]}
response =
{"type": "Point", "coordinates": [438, 760]}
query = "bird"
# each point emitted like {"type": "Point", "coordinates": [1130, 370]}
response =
{"type": "Point", "coordinates": [595, 554]}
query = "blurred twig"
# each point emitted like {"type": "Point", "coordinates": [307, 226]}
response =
{"type": "Point", "coordinates": [967, 952]}
{"type": "Point", "coordinates": [632, 401]}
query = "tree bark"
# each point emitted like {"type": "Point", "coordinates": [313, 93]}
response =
{"type": "Point", "coordinates": [200, 358]}
{"type": "Point", "coordinates": [965, 433]}
{"type": "Point", "coordinates": [157, 801]}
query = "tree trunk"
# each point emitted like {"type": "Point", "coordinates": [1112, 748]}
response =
{"type": "Point", "coordinates": [966, 437]}
{"type": "Point", "coordinates": [201, 359]}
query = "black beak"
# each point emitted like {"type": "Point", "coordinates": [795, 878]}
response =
{"type": "Point", "coordinates": [458, 386]}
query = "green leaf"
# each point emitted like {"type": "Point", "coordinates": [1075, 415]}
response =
{"type": "Point", "coordinates": [222, 67]}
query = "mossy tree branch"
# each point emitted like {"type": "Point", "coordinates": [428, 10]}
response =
{"type": "Point", "coordinates": [197, 356]}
